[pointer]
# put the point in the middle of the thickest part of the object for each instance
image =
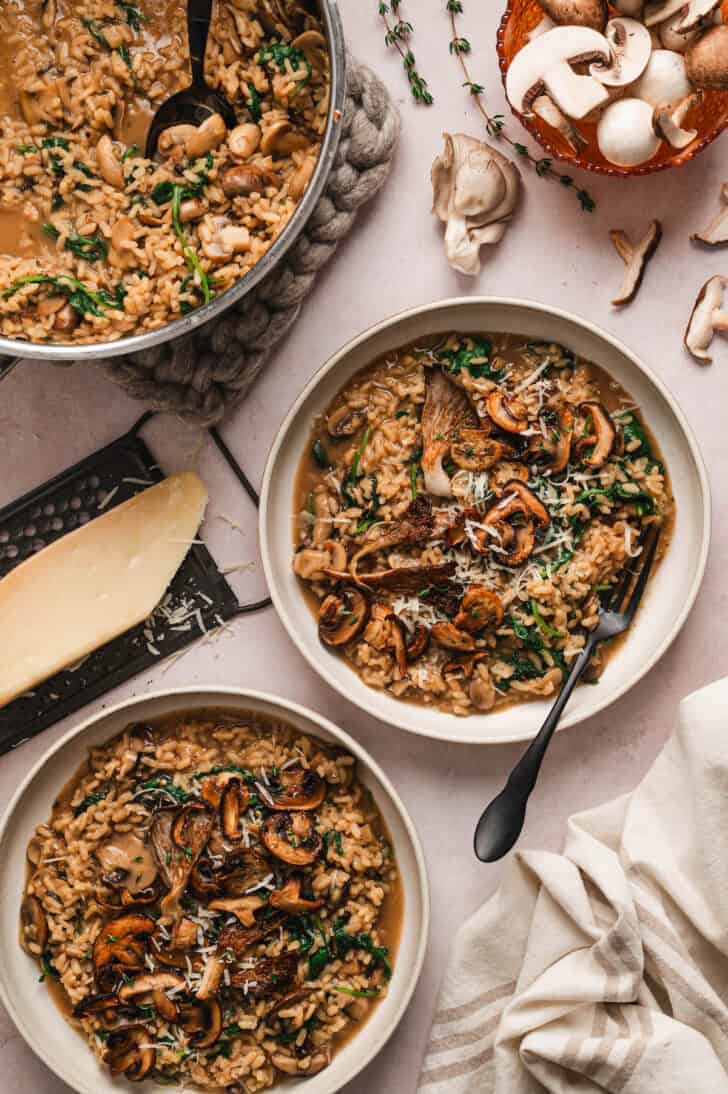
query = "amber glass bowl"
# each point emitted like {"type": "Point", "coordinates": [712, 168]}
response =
{"type": "Point", "coordinates": [709, 117]}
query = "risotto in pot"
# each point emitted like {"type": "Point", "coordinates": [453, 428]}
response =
{"type": "Point", "coordinates": [98, 242]}
{"type": "Point", "coordinates": [463, 509]}
{"type": "Point", "coordinates": [215, 901]}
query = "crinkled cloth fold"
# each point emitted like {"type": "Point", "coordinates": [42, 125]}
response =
{"type": "Point", "coordinates": [605, 968]}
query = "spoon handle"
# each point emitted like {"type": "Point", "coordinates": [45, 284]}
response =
{"type": "Point", "coordinates": [199, 14]}
{"type": "Point", "coordinates": [500, 825]}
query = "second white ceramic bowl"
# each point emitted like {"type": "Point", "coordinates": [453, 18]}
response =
{"type": "Point", "coordinates": [671, 593]}
{"type": "Point", "coordinates": [30, 1004]}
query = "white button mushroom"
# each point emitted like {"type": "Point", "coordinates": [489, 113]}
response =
{"type": "Point", "coordinates": [664, 80]}
{"type": "Point", "coordinates": [631, 48]}
{"type": "Point", "coordinates": [544, 62]}
{"type": "Point", "coordinates": [625, 135]}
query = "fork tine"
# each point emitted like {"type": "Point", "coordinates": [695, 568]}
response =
{"type": "Point", "coordinates": [646, 559]}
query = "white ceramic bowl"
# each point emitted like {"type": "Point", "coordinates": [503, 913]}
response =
{"type": "Point", "coordinates": [671, 592]}
{"type": "Point", "coordinates": [29, 1003]}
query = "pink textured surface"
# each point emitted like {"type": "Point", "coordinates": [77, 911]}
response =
{"type": "Point", "coordinates": [553, 253]}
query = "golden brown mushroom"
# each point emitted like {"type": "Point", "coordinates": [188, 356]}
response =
{"type": "Point", "coordinates": [144, 985]}
{"type": "Point", "coordinates": [120, 942]}
{"type": "Point", "coordinates": [130, 1054]}
{"type": "Point", "coordinates": [300, 789]}
{"type": "Point", "coordinates": [507, 413]}
{"type": "Point", "coordinates": [292, 838]}
{"type": "Point", "coordinates": [452, 638]}
{"type": "Point", "coordinates": [480, 608]}
{"type": "Point", "coordinates": [553, 446]}
{"type": "Point", "coordinates": [475, 450]}
{"type": "Point", "coordinates": [595, 448]}
{"type": "Point", "coordinates": [246, 178]}
{"type": "Point", "coordinates": [271, 976]}
{"type": "Point", "coordinates": [289, 899]}
{"type": "Point", "coordinates": [233, 803]}
{"type": "Point", "coordinates": [342, 616]}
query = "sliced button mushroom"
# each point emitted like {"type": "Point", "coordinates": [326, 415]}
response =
{"type": "Point", "coordinates": [597, 444]}
{"type": "Point", "coordinates": [553, 445]}
{"type": "Point", "coordinates": [706, 318]}
{"type": "Point", "coordinates": [172, 141]}
{"type": "Point", "coordinates": [300, 789]}
{"type": "Point", "coordinates": [105, 1009]}
{"type": "Point", "coordinates": [311, 563]}
{"type": "Point", "coordinates": [716, 234]}
{"type": "Point", "coordinates": [247, 178]}
{"type": "Point", "coordinates": [312, 45]}
{"type": "Point", "coordinates": [417, 642]}
{"type": "Point", "coordinates": [242, 907]}
{"type": "Point", "coordinates": [546, 109]}
{"type": "Point", "coordinates": [271, 976]}
{"type": "Point", "coordinates": [292, 838]}
{"type": "Point", "coordinates": [519, 497]}
{"type": "Point", "coordinates": [345, 421]}
{"type": "Point", "coordinates": [301, 177]}
{"type": "Point", "coordinates": [516, 543]}
{"type": "Point", "coordinates": [545, 63]}
{"type": "Point", "coordinates": [631, 48]}
{"type": "Point", "coordinates": [281, 139]}
{"type": "Point", "coordinates": [635, 258]}
{"type": "Point", "coordinates": [143, 986]}
{"type": "Point", "coordinates": [130, 1054]}
{"type": "Point", "coordinates": [120, 942]}
{"type": "Point", "coordinates": [109, 163]}
{"type": "Point", "coordinates": [452, 638]}
{"type": "Point", "coordinates": [233, 803]}
{"type": "Point", "coordinates": [667, 121]}
{"type": "Point", "coordinates": [289, 899]}
{"type": "Point", "coordinates": [508, 413]}
{"type": "Point", "coordinates": [128, 854]}
{"type": "Point", "coordinates": [342, 616]}
{"type": "Point", "coordinates": [480, 608]}
{"type": "Point", "coordinates": [475, 450]}
{"type": "Point", "coordinates": [446, 413]}
{"type": "Point", "coordinates": [35, 926]}
{"type": "Point", "coordinates": [243, 141]}
{"type": "Point", "coordinates": [206, 137]}
{"type": "Point", "coordinates": [202, 1021]}
{"type": "Point", "coordinates": [212, 786]}
{"type": "Point", "coordinates": [193, 209]}
{"type": "Point", "coordinates": [220, 239]}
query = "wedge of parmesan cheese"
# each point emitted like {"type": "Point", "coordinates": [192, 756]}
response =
{"type": "Point", "coordinates": [95, 583]}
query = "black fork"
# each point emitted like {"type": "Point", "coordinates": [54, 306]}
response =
{"type": "Point", "coordinates": [500, 825]}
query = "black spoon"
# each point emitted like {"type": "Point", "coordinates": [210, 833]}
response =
{"type": "Point", "coordinates": [500, 825]}
{"type": "Point", "coordinates": [195, 103]}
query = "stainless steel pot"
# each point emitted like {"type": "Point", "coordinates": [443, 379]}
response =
{"type": "Point", "coordinates": [18, 350]}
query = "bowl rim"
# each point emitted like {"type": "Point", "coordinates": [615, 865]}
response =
{"type": "Point", "coordinates": [610, 170]}
{"type": "Point", "coordinates": [177, 328]}
{"type": "Point", "coordinates": [209, 693]}
{"type": "Point", "coordinates": [320, 665]}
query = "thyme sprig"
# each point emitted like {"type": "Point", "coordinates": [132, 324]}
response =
{"type": "Point", "coordinates": [398, 32]}
{"type": "Point", "coordinates": [495, 123]}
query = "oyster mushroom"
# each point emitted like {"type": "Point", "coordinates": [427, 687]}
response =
{"type": "Point", "coordinates": [577, 13]}
{"type": "Point", "coordinates": [289, 899]}
{"type": "Point", "coordinates": [452, 638]}
{"type": "Point", "coordinates": [546, 109]}
{"type": "Point", "coordinates": [544, 64]}
{"type": "Point", "coordinates": [667, 121]}
{"type": "Point", "coordinates": [475, 450]}
{"type": "Point", "coordinates": [120, 942]}
{"type": "Point", "coordinates": [271, 976]}
{"type": "Point", "coordinates": [631, 48]}
{"type": "Point", "coordinates": [664, 80]}
{"type": "Point", "coordinates": [447, 411]}
{"type": "Point", "coordinates": [595, 448]}
{"type": "Point", "coordinates": [475, 190]}
{"type": "Point", "coordinates": [242, 907]}
{"type": "Point", "coordinates": [342, 616]}
{"type": "Point", "coordinates": [300, 790]}
{"type": "Point", "coordinates": [706, 318]}
{"type": "Point", "coordinates": [130, 1054]}
{"type": "Point", "coordinates": [404, 579]}
{"type": "Point", "coordinates": [178, 839]}
{"type": "Point", "coordinates": [635, 257]}
{"type": "Point", "coordinates": [508, 413]}
{"type": "Point", "coordinates": [716, 233]}
{"type": "Point", "coordinates": [624, 133]}
{"type": "Point", "coordinates": [108, 162]}
{"type": "Point", "coordinates": [292, 838]}
{"type": "Point", "coordinates": [414, 526]}
{"type": "Point", "coordinates": [480, 608]}
{"type": "Point", "coordinates": [706, 60]}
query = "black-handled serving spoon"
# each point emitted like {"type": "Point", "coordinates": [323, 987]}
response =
{"type": "Point", "coordinates": [500, 825]}
{"type": "Point", "coordinates": [194, 104]}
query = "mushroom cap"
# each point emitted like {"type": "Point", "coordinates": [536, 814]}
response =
{"type": "Point", "coordinates": [577, 13]}
{"type": "Point", "coordinates": [545, 61]}
{"type": "Point", "coordinates": [670, 38]}
{"type": "Point", "coordinates": [706, 61]}
{"type": "Point", "coordinates": [447, 410]}
{"type": "Point", "coordinates": [631, 48]}
{"type": "Point", "coordinates": [631, 8]}
{"type": "Point", "coordinates": [701, 325]}
{"type": "Point", "coordinates": [625, 135]}
{"type": "Point", "coordinates": [664, 80]}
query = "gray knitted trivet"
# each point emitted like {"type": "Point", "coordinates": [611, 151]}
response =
{"type": "Point", "coordinates": [203, 374]}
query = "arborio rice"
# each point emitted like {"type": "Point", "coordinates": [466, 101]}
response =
{"type": "Point", "coordinates": [217, 900]}
{"type": "Point", "coordinates": [463, 509]}
{"type": "Point", "coordinates": [97, 242]}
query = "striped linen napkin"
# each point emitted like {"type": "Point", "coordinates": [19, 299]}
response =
{"type": "Point", "coordinates": [605, 968]}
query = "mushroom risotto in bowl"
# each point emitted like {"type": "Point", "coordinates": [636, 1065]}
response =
{"type": "Point", "coordinates": [223, 894]}
{"type": "Point", "coordinates": [465, 496]}
{"type": "Point", "coordinates": [98, 243]}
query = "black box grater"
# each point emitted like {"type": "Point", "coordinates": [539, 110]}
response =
{"type": "Point", "coordinates": [197, 600]}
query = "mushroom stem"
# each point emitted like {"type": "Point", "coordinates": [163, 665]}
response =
{"type": "Point", "coordinates": [706, 318]}
{"type": "Point", "coordinates": [635, 257]}
{"type": "Point", "coordinates": [716, 233]}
